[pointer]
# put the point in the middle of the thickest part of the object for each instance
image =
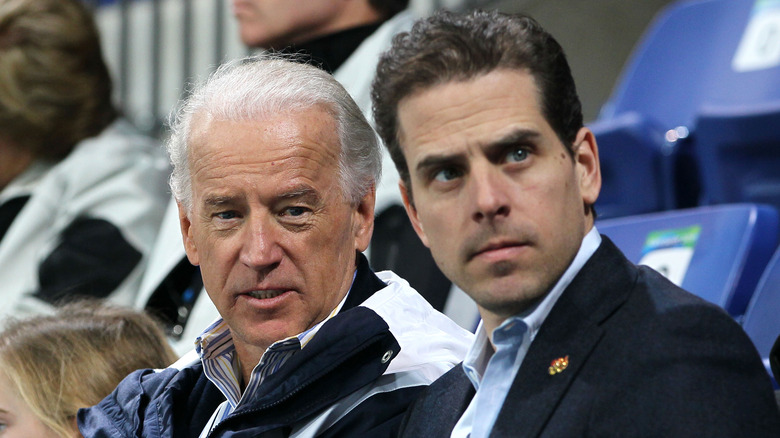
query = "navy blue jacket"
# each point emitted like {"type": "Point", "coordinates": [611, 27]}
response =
{"type": "Point", "coordinates": [646, 359]}
{"type": "Point", "coordinates": [350, 352]}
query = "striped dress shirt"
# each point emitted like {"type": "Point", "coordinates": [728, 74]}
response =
{"type": "Point", "coordinates": [220, 364]}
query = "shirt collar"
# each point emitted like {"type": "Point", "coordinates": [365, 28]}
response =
{"type": "Point", "coordinates": [477, 357]}
{"type": "Point", "coordinates": [217, 353]}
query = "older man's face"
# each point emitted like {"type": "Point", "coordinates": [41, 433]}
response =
{"type": "Point", "coordinates": [270, 228]}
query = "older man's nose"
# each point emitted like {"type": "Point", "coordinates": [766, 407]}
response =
{"type": "Point", "coordinates": [260, 248]}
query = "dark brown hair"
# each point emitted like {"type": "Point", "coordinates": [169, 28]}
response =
{"type": "Point", "coordinates": [456, 47]}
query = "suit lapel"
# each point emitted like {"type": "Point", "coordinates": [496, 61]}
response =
{"type": "Point", "coordinates": [572, 329]}
{"type": "Point", "coordinates": [438, 410]}
{"type": "Point", "coordinates": [452, 402]}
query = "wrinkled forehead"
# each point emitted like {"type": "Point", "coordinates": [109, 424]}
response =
{"type": "Point", "coordinates": [494, 101]}
{"type": "Point", "coordinates": [300, 140]}
{"type": "Point", "coordinates": [315, 122]}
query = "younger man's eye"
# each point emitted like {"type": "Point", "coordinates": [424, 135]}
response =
{"type": "Point", "coordinates": [515, 155]}
{"type": "Point", "coordinates": [446, 174]}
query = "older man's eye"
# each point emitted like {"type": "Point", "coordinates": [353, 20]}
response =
{"type": "Point", "coordinates": [226, 215]}
{"type": "Point", "coordinates": [516, 155]}
{"type": "Point", "coordinates": [295, 211]}
{"type": "Point", "coordinates": [446, 174]}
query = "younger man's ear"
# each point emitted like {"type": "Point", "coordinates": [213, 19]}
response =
{"type": "Point", "coordinates": [411, 211]}
{"type": "Point", "coordinates": [586, 160]}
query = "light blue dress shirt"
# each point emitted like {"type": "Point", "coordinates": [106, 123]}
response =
{"type": "Point", "coordinates": [492, 373]}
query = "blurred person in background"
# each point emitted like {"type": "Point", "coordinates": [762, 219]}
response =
{"type": "Point", "coordinates": [81, 192]}
{"type": "Point", "coordinates": [53, 365]}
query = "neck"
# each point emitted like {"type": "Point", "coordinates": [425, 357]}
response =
{"type": "Point", "coordinates": [354, 14]}
{"type": "Point", "coordinates": [244, 359]}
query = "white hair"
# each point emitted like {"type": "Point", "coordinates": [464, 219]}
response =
{"type": "Point", "coordinates": [249, 88]}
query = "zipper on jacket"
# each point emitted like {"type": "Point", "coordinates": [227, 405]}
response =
{"type": "Point", "coordinates": [302, 386]}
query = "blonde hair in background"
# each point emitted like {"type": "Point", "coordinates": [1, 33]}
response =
{"type": "Point", "coordinates": [73, 359]}
{"type": "Point", "coordinates": [55, 88]}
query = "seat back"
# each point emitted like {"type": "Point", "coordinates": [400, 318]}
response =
{"type": "Point", "coordinates": [665, 78]}
{"type": "Point", "coordinates": [737, 144]}
{"type": "Point", "coordinates": [762, 319]}
{"type": "Point", "coordinates": [635, 170]}
{"type": "Point", "coordinates": [659, 90]}
{"type": "Point", "coordinates": [712, 67]}
{"type": "Point", "coordinates": [737, 152]}
{"type": "Point", "coordinates": [715, 252]}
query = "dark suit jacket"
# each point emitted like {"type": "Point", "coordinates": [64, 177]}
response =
{"type": "Point", "coordinates": [646, 359]}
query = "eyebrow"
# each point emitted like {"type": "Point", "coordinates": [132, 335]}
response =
{"type": "Point", "coordinates": [219, 201]}
{"type": "Point", "coordinates": [302, 192]}
{"type": "Point", "coordinates": [299, 192]}
{"type": "Point", "coordinates": [512, 138]}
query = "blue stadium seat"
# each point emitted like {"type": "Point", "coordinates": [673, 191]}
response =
{"type": "Point", "coordinates": [716, 252]}
{"type": "Point", "coordinates": [712, 69]}
{"type": "Point", "coordinates": [737, 149]}
{"type": "Point", "coordinates": [635, 170]}
{"type": "Point", "coordinates": [762, 320]}
{"type": "Point", "coordinates": [663, 77]}
{"type": "Point", "coordinates": [658, 91]}
{"type": "Point", "coordinates": [736, 143]}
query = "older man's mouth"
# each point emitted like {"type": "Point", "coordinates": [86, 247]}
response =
{"type": "Point", "coordinates": [265, 294]}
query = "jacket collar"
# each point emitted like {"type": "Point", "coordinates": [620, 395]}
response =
{"type": "Point", "coordinates": [347, 354]}
{"type": "Point", "coordinates": [366, 283]}
{"type": "Point", "coordinates": [572, 329]}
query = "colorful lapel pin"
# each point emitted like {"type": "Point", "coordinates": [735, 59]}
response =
{"type": "Point", "coordinates": [558, 365]}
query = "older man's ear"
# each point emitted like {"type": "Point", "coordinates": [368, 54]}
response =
{"type": "Point", "coordinates": [364, 220]}
{"type": "Point", "coordinates": [186, 234]}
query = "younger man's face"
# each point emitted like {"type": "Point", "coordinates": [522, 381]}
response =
{"type": "Point", "coordinates": [497, 197]}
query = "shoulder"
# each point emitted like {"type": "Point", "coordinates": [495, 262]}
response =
{"type": "Point", "coordinates": [431, 343]}
{"type": "Point", "coordinates": [439, 407]}
{"type": "Point", "coordinates": [118, 161]}
{"type": "Point", "coordinates": [124, 409]}
{"type": "Point", "coordinates": [670, 347]}
{"type": "Point", "coordinates": [610, 291]}
{"type": "Point", "coordinates": [121, 136]}
{"type": "Point", "coordinates": [145, 396]}
{"type": "Point", "coordinates": [451, 388]}
{"type": "Point", "coordinates": [663, 307]}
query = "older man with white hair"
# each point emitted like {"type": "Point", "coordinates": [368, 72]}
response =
{"type": "Point", "coordinates": [275, 169]}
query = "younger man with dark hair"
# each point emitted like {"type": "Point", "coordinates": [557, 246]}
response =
{"type": "Point", "coordinates": [499, 177]}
